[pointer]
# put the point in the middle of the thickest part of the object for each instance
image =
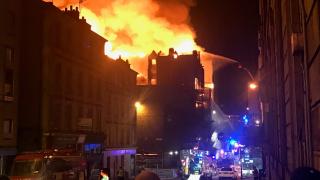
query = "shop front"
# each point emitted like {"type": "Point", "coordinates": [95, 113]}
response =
{"type": "Point", "coordinates": [115, 159]}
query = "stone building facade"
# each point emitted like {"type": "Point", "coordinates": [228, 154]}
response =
{"type": "Point", "coordinates": [72, 95]}
{"type": "Point", "coordinates": [9, 61]}
{"type": "Point", "coordinates": [289, 61]}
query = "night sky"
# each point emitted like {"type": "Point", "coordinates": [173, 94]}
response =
{"type": "Point", "coordinates": [229, 28]}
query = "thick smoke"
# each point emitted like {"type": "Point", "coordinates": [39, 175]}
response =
{"type": "Point", "coordinates": [136, 27]}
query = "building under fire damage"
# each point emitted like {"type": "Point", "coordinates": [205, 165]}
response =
{"type": "Point", "coordinates": [175, 104]}
{"type": "Point", "coordinates": [289, 62]}
{"type": "Point", "coordinates": [69, 94]}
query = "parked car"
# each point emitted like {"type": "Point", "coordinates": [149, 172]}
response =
{"type": "Point", "coordinates": [227, 173]}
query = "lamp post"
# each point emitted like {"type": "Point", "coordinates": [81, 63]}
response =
{"type": "Point", "coordinates": [245, 69]}
{"type": "Point", "coordinates": [253, 104]}
{"type": "Point", "coordinates": [253, 94]}
{"type": "Point", "coordinates": [253, 84]}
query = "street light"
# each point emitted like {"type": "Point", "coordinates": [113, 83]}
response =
{"type": "Point", "coordinates": [139, 106]}
{"type": "Point", "coordinates": [253, 85]}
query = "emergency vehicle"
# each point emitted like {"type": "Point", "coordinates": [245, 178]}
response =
{"type": "Point", "coordinates": [49, 165]}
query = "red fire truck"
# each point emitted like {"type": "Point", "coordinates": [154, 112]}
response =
{"type": "Point", "coordinates": [49, 165]}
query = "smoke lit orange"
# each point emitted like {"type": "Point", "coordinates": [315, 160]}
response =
{"type": "Point", "coordinates": [134, 28]}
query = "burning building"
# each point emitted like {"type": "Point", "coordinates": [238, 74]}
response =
{"type": "Point", "coordinates": [70, 94]}
{"type": "Point", "coordinates": [176, 103]}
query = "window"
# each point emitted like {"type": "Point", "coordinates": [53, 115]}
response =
{"type": "Point", "coordinates": [153, 81]}
{"type": "Point", "coordinates": [57, 116]}
{"type": "Point", "coordinates": [8, 85]}
{"type": "Point", "coordinates": [196, 83]}
{"type": "Point", "coordinates": [10, 23]}
{"type": "Point", "coordinates": [57, 35]}
{"type": "Point", "coordinates": [58, 77]}
{"type": "Point", "coordinates": [128, 138]}
{"type": "Point", "coordinates": [153, 61]}
{"type": "Point", "coordinates": [80, 84]}
{"type": "Point", "coordinates": [91, 82]}
{"type": "Point", "coordinates": [68, 116]}
{"type": "Point", "coordinates": [9, 56]}
{"type": "Point", "coordinates": [68, 81]}
{"type": "Point", "coordinates": [80, 111]}
{"type": "Point", "coordinates": [98, 114]}
{"type": "Point", "coordinates": [7, 126]}
{"type": "Point", "coordinates": [98, 95]}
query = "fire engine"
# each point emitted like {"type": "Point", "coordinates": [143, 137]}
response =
{"type": "Point", "coordinates": [49, 165]}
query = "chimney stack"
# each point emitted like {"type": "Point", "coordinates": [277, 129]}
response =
{"type": "Point", "coordinates": [171, 52]}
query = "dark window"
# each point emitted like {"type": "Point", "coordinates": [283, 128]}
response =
{"type": "Point", "coordinates": [80, 84]}
{"type": "Point", "coordinates": [9, 56]}
{"type": "Point", "coordinates": [58, 77]}
{"type": "Point", "coordinates": [10, 23]}
{"type": "Point", "coordinates": [108, 163]}
{"type": "Point", "coordinates": [98, 110]}
{"type": "Point", "coordinates": [7, 126]}
{"type": "Point", "coordinates": [98, 96]}
{"type": "Point", "coordinates": [226, 169]}
{"type": "Point", "coordinates": [57, 36]}
{"type": "Point", "coordinates": [57, 116]}
{"type": "Point", "coordinates": [90, 84]}
{"type": "Point", "coordinates": [59, 165]}
{"type": "Point", "coordinates": [8, 84]}
{"type": "Point", "coordinates": [68, 116]}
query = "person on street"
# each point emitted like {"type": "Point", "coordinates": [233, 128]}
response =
{"type": "Point", "coordinates": [104, 175]}
{"type": "Point", "coordinates": [255, 173]}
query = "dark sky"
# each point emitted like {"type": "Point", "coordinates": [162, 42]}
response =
{"type": "Point", "coordinates": [229, 28]}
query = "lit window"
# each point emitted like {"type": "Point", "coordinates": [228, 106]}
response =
{"type": "Point", "coordinates": [198, 105]}
{"type": "Point", "coordinates": [153, 61]}
{"type": "Point", "coordinates": [209, 85]}
{"type": "Point", "coordinates": [153, 81]}
{"type": "Point", "coordinates": [196, 83]}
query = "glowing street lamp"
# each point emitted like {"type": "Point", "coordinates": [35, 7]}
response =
{"type": "Point", "coordinates": [139, 106]}
{"type": "Point", "coordinates": [253, 85]}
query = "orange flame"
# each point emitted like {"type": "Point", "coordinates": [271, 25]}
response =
{"type": "Point", "coordinates": [135, 28]}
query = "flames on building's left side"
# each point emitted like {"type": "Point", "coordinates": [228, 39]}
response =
{"type": "Point", "coordinates": [65, 92]}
